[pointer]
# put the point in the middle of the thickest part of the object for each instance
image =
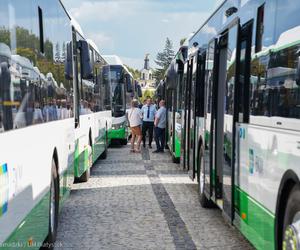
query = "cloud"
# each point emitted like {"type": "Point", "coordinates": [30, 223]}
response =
{"type": "Point", "coordinates": [102, 40]}
{"type": "Point", "coordinates": [101, 11]}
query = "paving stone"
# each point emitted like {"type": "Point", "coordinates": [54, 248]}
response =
{"type": "Point", "coordinates": [141, 201]}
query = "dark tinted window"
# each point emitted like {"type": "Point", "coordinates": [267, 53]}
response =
{"type": "Point", "coordinates": [274, 85]}
{"type": "Point", "coordinates": [33, 88]}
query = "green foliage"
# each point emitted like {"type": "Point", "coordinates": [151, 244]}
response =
{"type": "Point", "coordinates": [134, 72]}
{"type": "Point", "coordinates": [163, 59]}
{"type": "Point", "coordinates": [182, 41]}
{"type": "Point", "coordinates": [28, 46]}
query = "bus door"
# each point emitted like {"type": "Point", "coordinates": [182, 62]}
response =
{"type": "Point", "coordinates": [196, 110]}
{"type": "Point", "coordinates": [184, 116]}
{"type": "Point", "coordinates": [224, 119]}
{"type": "Point", "coordinates": [243, 87]}
{"type": "Point", "coordinates": [188, 130]}
{"type": "Point", "coordinates": [169, 132]}
{"type": "Point", "coordinates": [192, 121]}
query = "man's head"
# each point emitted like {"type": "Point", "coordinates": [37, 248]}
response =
{"type": "Point", "coordinates": [134, 103]}
{"type": "Point", "coordinates": [162, 103]}
{"type": "Point", "coordinates": [149, 101]}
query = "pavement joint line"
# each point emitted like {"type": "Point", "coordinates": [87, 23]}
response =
{"type": "Point", "coordinates": [181, 237]}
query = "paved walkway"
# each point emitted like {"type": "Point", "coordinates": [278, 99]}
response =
{"type": "Point", "coordinates": [141, 201]}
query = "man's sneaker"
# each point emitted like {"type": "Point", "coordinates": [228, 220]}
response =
{"type": "Point", "coordinates": [150, 146]}
{"type": "Point", "coordinates": [156, 151]}
{"type": "Point", "coordinates": [161, 151]}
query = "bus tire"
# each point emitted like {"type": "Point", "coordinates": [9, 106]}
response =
{"type": "Point", "coordinates": [104, 154]}
{"type": "Point", "coordinates": [85, 176]}
{"type": "Point", "coordinates": [204, 201]}
{"type": "Point", "coordinates": [124, 142]}
{"type": "Point", "coordinates": [291, 215]}
{"type": "Point", "coordinates": [53, 206]}
{"type": "Point", "coordinates": [175, 159]}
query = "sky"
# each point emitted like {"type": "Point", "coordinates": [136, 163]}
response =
{"type": "Point", "coordinates": [133, 28]}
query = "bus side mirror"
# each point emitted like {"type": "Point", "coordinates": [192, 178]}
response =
{"type": "Point", "coordinates": [97, 88]}
{"type": "Point", "coordinates": [86, 65]}
{"type": "Point", "coordinates": [69, 62]}
{"type": "Point", "coordinates": [297, 77]}
{"type": "Point", "coordinates": [128, 84]}
{"type": "Point", "coordinates": [139, 90]}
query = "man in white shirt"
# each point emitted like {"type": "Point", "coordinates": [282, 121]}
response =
{"type": "Point", "coordinates": [160, 127]}
{"type": "Point", "coordinates": [148, 112]}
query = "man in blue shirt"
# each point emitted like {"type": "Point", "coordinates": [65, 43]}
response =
{"type": "Point", "coordinates": [160, 127]}
{"type": "Point", "coordinates": [148, 111]}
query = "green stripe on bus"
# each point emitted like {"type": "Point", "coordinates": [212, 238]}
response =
{"type": "Point", "coordinates": [256, 222]}
{"type": "Point", "coordinates": [81, 161]}
{"type": "Point", "coordinates": [76, 159]}
{"type": "Point", "coordinates": [99, 145]}
{"type": "Point", "coordinates": [33, 230]}
{"type": "Point", "coordinates": [177, 146]}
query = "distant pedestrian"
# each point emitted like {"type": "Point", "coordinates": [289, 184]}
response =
{"type": "Point", "coordinates": [148, 111]}
{"type": "Point", "coordinates": [160, 127]}
{"type": "Point", "coordinates": [135, 122]}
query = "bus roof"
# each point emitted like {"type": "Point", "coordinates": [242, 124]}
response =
{"type": "Point", "coordinates": [216, 10]}
{"type": "Point", "coordinates": [94, 46]}
{"type": "Point", "coordinates": [76, 25]}
{"type": "Point", "coordinates": [113, 60]}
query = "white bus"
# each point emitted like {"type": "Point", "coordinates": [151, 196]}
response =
{"type": "Point", "coordinates": [241, 111]}
{"type": "Point", "coordinates": [36, 121]}
{"type": "Point", "coordinates": [121, 94]}
{"type": "Point", "coordinates": [53, 122]}
{"type": "Point", "coordinates": [93, 121]}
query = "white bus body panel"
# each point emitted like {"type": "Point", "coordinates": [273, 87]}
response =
{"type": "Point", "coordinates": [28, 154]}
{"type": "Point", "coordinates": [264, 155]}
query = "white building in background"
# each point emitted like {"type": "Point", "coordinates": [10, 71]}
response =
{"type": "Point", "coordinates": [146, 72]}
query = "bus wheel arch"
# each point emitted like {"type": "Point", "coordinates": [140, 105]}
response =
{"type": "Point", "coordinates": [54, 196]}
{"type": "Point", "coordinates": [289, 180]}
{"type": "Point", "coordinates": [204, 201]}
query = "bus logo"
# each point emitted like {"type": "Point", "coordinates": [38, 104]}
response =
{"type": "Point", "coordinates": [3, 189]}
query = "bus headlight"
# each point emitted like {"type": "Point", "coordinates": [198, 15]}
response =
{"type": "Point", "coordinates": [119, 126]}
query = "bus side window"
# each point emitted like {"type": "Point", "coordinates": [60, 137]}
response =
{"type": "Point", "coordinates": [259, 28]}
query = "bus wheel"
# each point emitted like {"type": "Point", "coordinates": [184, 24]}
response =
{"type": "Point", "coordinates": [291, 222]}
{"type": "Point", "coordinates": [53, 205]}
{"type": "Point", "coordinates": [175, 159]}
{"type": "Point", "coordinates": [104, 154]}
{"type": "Point", "coordinates": [124, 142]}
{"type": "Point", "coordinates": [204, 201]}
{"type": "Point", "coordinates": [86, 175]}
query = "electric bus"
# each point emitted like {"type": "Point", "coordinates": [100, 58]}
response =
{"type": "Point", "coordinates": [242, 128]}
{"type": "Point", "coordinates": [93, 119]}
{"type": "Point", "coordinates": [121, 88]}
{"type": "Point", "coordinates": [36, 121]}
{"type": "Point", "coordinates": [174, 103]}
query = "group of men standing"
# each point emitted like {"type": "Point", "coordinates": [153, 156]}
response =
{"type": "Point", "coordinates": [154, 120]}
{"type": "Point", "coordinates": [148, 119]}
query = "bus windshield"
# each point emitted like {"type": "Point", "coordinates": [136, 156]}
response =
{"type": "Point", "coordinates": [117, 91]}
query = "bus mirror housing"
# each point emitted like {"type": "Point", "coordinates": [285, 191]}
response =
{"type": "Point", "coordinates": [128, 84]}
{"type": "Point", "coordinates": [97, 88]}
{"type": "Point", "coordinates": [69, 62]}
{"type": "Point", "coordinates": [86, 65]}
{"type": "Point", "coordinates": [139, 90]}
{"type": "Point", "coordinates": [298, 68]}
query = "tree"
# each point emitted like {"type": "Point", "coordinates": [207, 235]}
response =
{"type": "Point", "coordinates": [163, 59]}
{"type": "Point", "coordinates": [134, 72]}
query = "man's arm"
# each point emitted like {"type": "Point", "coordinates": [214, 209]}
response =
{"type": "Point", "coordinates": [156, 120]}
